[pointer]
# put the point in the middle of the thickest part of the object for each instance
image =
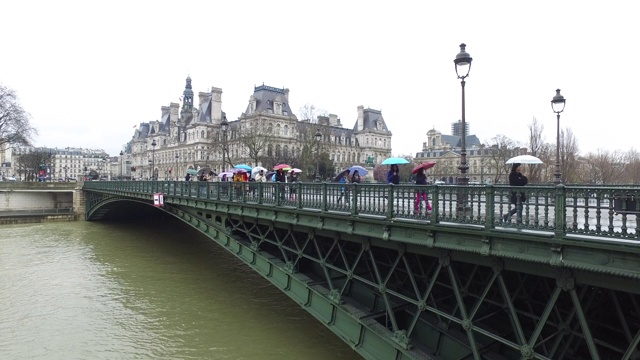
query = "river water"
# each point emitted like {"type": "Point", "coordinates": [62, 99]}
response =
{"type": "Point", "coordinates": [91, 290]}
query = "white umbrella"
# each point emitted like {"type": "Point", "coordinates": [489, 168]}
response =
{"type": "Point", "coordinates": [524, 159]}
{"type": "Point", "coordinates": [256, 170]}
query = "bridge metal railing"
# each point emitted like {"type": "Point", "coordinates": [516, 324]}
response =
{"type": "Point", "coordinates": [610, 212]}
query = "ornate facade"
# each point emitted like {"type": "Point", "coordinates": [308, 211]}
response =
{"type": "Point", "coordinates": [445, 151]}
{"type": "Point", "coordinates": [192, 137]}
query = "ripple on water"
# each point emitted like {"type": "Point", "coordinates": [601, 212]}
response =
{"type": "Point", "coordinates": [113, 291]}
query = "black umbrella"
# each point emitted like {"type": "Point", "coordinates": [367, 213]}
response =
{"type": "Point", "coordinates": [341, 175]}
{"type": "Point", "coordinates": [204, 170]}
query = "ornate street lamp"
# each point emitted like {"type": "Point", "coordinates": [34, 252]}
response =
{"type": "Point", "coordinates": [153, 161]}
{"type": "Point", "coordinates": [557, 104]}
{"type": "Point", "coordinates": [150, 177]}
{"type": "Point", "coordinates": [224, 125]}
{"type": "Point", "coordinates": [463, 66]}
{"type": "Point", "coordinates": [318, 137]}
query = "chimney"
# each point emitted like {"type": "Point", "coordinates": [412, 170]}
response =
{"type": "Point", "coordinates": [333, 119]}
{"type": "Point", "coordinates": [216, 105]}
{"type": "Point", "coordinates": [286, 94]}
{"type": "Point", "coordinates": [201, 98]}
{"type": "Point", "coordinates": [360, 118]}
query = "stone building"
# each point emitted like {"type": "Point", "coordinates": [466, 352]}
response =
{"type": "Point", "coordinates": [192, 136]}
{"type": "Point", "coordinates": [445, 151]}
{"type": "Point", "coordinates": [65, 164]}
{"type": "Point", "coordinates": [486, 163]}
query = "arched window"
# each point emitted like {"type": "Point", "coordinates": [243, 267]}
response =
{"type": "Point", "coordinates": [278, 132]}
{"type": "Point", "coordinates": [270, 150]}
{"type": "Point", "coordinates": [202, 134]}
{"type": "Point", "coordinates": [286, 150]}
{"type": "Point", "coordinates": [278, 151]}
{"type": "Point", "coordinates": [286, 130]}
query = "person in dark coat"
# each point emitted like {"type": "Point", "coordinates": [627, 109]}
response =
{"type": "Point", "coordinates": [421, 193]}
{"type": "Point", "coordinates": [516, 178]}
{"type": "Point", "coordinates": [281, 177]}
{"type": "Point", "coordinates": [393, 175]}
{"type": "Point", "coordinates": [293, 178]}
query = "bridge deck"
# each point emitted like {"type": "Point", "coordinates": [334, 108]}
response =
{"type": "Point", "coordinates": [397, 281]}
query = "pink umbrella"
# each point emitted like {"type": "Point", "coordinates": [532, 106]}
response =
{"type": "Point", "coordinates": [282, 166]}
{"type": "Point", "coordinates": [426, 165]}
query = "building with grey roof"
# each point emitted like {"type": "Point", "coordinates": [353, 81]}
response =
{"type": "Point", "coordinates": [267, 131]}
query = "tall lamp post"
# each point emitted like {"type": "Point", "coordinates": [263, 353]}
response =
{"type": "Point", "coordinates": [122, 170]}
{"type": "Point", "coordinates": [224, 125]}
{"type": "Point", "coordinates": [65, 168]}
{"type": "Point", "coordinates": [318, 137]}
{"type": "Point", "coordinates": [175, 171]}
{"type": "Point", "coordinates": [463, 66]}
{"type": "Point", "coordinates": [153, 161]}
{"type": "Point", "coordinates": [557, 104]}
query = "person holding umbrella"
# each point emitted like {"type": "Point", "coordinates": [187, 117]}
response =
{"type": "Point", "coordinates": [344, 190]}
{"type": "Point", "coordinates": [393, 175]}
{"type": "Point", "coordinates": [421, 193]}
{"type": "Point", "coordinates": [421, 179]}
{"type": "Point", "coordinates": [260, 176]}
{"type": "Point", "coordinates": [355, 178]}
{"type": "Point", "coordinates": [293, 178]}
{"type": "Point", "coordinates": [516, 178]}
{"type": "Point", "coordinates": [281, 177]}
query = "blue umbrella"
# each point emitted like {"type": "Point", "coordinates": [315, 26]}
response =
{"type": "Point", "coordinates": [243, 167]}
{"type": "Point", "coordinates": [395, 161]}
{"type": "Point", "coordinates": [362, 171]}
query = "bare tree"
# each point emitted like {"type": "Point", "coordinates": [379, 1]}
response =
{"type": "Point", "coordinates": [632, 167]}
{"type": "Point", "coordinates": [15, 127]}
{"type": "Point", "coordinates": [310, 112]}
{"type": "Point", "coordinates": [255, 141]}
{"type": "Point", "coordinates": [537, 147]}
{"type": "Point", "coordinates": [603, 167]}
{"type": "Point", "coordinates": [569, 152]}
{"type": "Point", "coordinates": [502, 149]}
{"type": "Point", "coordinates": [30, 163]}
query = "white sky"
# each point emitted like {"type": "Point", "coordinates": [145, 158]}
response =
{"type": "Point", "coordinates": [88, 71]}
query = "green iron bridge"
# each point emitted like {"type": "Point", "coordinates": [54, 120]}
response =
{"type": "Point", "coordinates": [396, 281]}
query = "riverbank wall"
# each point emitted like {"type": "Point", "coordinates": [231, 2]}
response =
{"type": "Point", "coordinates": [34, 202]}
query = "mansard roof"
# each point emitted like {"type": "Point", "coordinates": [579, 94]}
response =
{"type": "Point", "coordinates": [456, 141]}
{"type": "Point", "coordinates": [266, 95]}
{"type": "Point", "coordinates": [372, 120]}
{"type": "Point", "coordinates": [205, 110]}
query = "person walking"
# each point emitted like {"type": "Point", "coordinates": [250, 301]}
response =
{"type": "Point", "coordinates": [344, 189]}
{"type": "Point", "coordinates": [516, 178]}
{"type": "Point", "coordinates": [261, 177]}
{"type": "Point", "coordinates": [281, 178]}
{"type": "Point", "coordinates": [293, 179]}
{"type": "Point", "coordinates": [421, 193]}
{"type": "Point", "coordinates": [393, 175]}
{"type": "Point", "coordinates": [355, 178]}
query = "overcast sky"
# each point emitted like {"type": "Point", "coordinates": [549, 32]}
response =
{"type": "Point", "coordinates": [88, 71]}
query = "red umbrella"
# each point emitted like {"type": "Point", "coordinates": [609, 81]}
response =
{"type": "Point", "coordinates": [426, 165]}
{"type": "Point", "coordinates": [282, 166]}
